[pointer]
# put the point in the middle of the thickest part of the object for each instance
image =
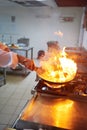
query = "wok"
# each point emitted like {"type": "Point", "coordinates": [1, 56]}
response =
{"type": "Point", "coordinates": [43, 74]}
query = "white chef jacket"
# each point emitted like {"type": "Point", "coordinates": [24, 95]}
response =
{"type": "Point", "coordinates": [8, 59]}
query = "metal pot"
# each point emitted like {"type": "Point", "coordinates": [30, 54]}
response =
{"type": "Point", "coordinates": [42, 74]}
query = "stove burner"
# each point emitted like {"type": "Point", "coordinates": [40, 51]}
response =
{"type": "Point", "coordinates": [78, 86]}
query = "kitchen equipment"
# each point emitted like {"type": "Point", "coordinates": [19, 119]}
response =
{"type": "Point", "coordinates": [54, 108]}
{"type": "Point", "coordinates": [57, 67]}
{"type": "Point", "coordinates": [48, 78]}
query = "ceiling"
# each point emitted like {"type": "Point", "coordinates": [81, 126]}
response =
{"type": "Point", "coordinates": [27, 3]}
{"type": "Point", "coordinates": [40, 3]}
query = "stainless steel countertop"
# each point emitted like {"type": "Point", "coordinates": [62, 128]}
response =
{"type": "Point", "coordinates": [64, 112]}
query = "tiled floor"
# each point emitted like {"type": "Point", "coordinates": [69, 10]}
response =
{"type": "Point", "coordinates": [13, 97]}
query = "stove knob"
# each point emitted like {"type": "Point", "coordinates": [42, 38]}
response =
{"type": "Point", "coordinates": [44, 88]}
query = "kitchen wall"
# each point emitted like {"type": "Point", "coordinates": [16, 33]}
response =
{"type": "Point", "coordinates": [84, 30]}
{"type": "Point", "coordinates": [39, 24]}
{"type": "Point", "coordinates": [85, 39]}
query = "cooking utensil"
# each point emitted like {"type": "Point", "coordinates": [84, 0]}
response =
{"type": "Point", "coordinates": [43, 75]}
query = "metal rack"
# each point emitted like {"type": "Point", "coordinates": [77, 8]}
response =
{"type": "Point", "coordinates": [2, 76]}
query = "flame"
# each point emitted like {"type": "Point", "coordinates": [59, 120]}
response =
{"type": "Point", "coordinates": [57, 67]}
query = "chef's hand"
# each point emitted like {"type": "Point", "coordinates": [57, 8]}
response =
{"type": "Point", "coordinates": [30, 65]}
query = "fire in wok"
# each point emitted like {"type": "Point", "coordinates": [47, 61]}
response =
{"type": "Point", "coordinates": [57, 67]}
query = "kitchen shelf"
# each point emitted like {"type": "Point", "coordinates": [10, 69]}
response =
{"type": "Point", "coordinates": [2, 76]}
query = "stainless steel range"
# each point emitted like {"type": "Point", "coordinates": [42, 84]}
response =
{"type": "Point", "coordinates": [55, 106]}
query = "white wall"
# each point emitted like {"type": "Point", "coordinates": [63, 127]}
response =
{"type": "Point", "coordinates": [85, 39]}
{"type": "Point", "coordinates": [83, 34]}
{"type": "Point", "coordinates": [39, 24]}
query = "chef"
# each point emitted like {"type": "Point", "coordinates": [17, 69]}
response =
{"type": "Point", "coordinates": [11, 59]}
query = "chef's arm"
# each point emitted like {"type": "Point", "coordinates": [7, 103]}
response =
{"type": "Point", "coordinates": [28, 63]}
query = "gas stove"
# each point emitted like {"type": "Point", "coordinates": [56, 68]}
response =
{"type": "Point", "coordinates": [56, 106]}
{"type": "Point", "coordinates": [78, 86]}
